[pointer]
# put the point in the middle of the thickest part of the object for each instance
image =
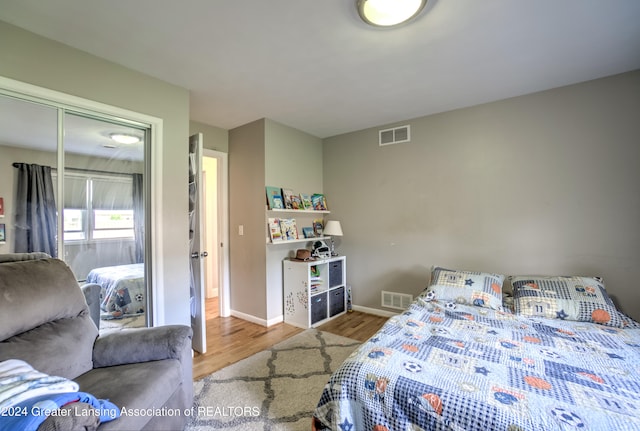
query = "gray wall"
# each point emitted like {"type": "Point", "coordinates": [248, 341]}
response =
{"type": "Point", "coordinates": [247, 269]}
{"type": "Point", "coordinates": [263, 153]}
{"type": "Point", "coordinates": [546, 183]}
{"type": "Point", "coordinates": [293, 159]}
{"type": "Point", "coordinates": [35, 60]}
{"type": "Point", "coordinates": [214, 138]}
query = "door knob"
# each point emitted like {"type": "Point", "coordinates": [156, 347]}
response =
{"type": "Point", "coordinates": [204, 254]}
{"type": "Point", "coordinates": [195, 255]}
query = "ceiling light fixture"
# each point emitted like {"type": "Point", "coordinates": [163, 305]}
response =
{"type": "Point", "coordinates": [389, 13]}
{"type": "Point", "coordinates": [123, 138]}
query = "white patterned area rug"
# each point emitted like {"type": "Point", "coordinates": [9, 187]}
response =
{"type": "Point", "coordinates": [274, 390]}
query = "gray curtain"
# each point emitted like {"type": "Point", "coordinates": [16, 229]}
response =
{"type": "Point", "coordinates": [138, 216]}
{"type": "Point", "coordinates": [35, 209]}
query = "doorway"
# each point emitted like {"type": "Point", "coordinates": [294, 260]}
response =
{"type": "Point", "coordinates": [215, 216]}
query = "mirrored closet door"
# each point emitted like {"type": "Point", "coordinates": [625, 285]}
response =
{"type": "Point", "coordinates": [74, 186]}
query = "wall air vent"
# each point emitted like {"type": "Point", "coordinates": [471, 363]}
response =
{"type": "Point", "coordinates": [396, 300]}
{"type": "Point", "coordinates": [396, 135]}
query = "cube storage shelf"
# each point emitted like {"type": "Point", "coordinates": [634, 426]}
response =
{"type": "Point", "coordinates": [314, 291]}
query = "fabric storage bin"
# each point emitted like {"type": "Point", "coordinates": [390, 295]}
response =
{"type": "Point", "coordinates": [335, 273]}
{"type": "Point", "coordinates": [336, 301]}
{"type": "Point", "coordinates": [318, 307]}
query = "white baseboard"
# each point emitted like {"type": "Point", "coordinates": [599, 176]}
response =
{"type": "Point", "coordinates": [280, 319]}
{"type": "Point", "coordinates": [374, 311]}
{"type": "Point", "coordinates": [275, 320]}
{"type": "Point", "coordinates": [257, 320]}
{"type": "Point", "coordinates": [248, 317]}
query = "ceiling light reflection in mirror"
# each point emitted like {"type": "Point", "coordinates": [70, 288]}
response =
{"type": "Point", "coordinates": [95, 137]}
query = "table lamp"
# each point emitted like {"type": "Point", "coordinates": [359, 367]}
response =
{"type": "Point", "coordinates": [331, 229]}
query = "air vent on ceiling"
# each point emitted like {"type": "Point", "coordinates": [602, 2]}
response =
{"type": "Point", "coordinates": [396, 300]}
{"type": "Point", "coordinates": [395, 135]}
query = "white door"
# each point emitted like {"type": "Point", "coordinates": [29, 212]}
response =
{"type": "Point", "coordinates": [198, 318]}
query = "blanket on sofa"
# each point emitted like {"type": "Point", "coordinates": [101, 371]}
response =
{"type": "Point", "coordinates": [19, 382]}
{"type": "Point", "coordinates": [28, 397]}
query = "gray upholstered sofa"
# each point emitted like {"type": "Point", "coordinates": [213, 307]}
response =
{"type": "Point", "coordinates": [45, 321]}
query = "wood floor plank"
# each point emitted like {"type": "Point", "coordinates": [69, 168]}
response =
{"type": "Point", "coordinates": [357, 325]}
{"type": "Point", "coordinates": [230, 339]}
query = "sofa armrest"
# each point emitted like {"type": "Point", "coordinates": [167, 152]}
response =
{"type": "Point", "coordinates": [92, 296]}
{"type": "Point", "coordinates": [136, 345]}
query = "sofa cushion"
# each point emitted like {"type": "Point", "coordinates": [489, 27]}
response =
{"type": "Point", "coordinates": [44, 318]}
{"type": "Point", "coordinates": [34, 292]}
{"type": "Point", "coordinates": [61, 348]}
{"type": "Point", "coordinates": [143, 386]}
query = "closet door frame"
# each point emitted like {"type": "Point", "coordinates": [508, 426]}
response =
{"type": "Point", "coordinates": [152, 171]}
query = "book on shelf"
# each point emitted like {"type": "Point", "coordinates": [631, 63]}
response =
{"type": "Point", "coordinates": [319, 202]}
{"type": "Point", "coordinates": [308, 232]}
{"type": "Point", "coordinates": [296, 202]}
{"type": "Point", "coordinates": [275, 233]}
{"type": "Point", "coordinates": [305, 198]}
{"type": "Point", "coordinates": [315, 279]}
{"type": "Point", "coordinates": [318, 226]}
{"type": "Point", "coordinates": [287, 196]}
{"type": "Point", "coordinates": [314, 272]}
{"type": "Point", "coordinates": [289, 229]}
{"type": "Point", "coordinates": [274, 198]}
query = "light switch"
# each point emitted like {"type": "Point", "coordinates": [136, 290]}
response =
{"type": "Point", "coordinates": [241, 229]}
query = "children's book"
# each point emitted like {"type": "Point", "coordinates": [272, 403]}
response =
{"type": "Point", "coordinates": [296, 202]}
{"type": "Point", "coordinates": [289, 229]}
{"type": "Point", "coordinates": [318, 226]}
{"type": "Point", "coordinates": [308, 232]}
{"type": "Point", "coordinates": [274, 230]}
{"type": "Point", "coordinates": [287, 196]}
{"type": "Point", "coordinates": [306, 201]}
{"type": "Point", "coordinates": [319, 202]}
{"type": "Point", "coordinates": [274, 198]}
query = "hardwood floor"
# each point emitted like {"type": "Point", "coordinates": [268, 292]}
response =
{"type": "Point", "coordinates": [230, 339]}
{"type": "Point", "coordinates": [357, 325]}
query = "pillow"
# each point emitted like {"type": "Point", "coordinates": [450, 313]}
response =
{"type": "Point", "coordinates": [583, 299]}
{"type": "Point", "coordinates": [467, 287]}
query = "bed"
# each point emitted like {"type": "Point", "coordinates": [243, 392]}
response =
{"type": "Point", "coordinates": [122, 290]}
{"type": "Point", "coordinates": [563, 359]}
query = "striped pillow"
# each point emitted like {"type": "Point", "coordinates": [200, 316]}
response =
{"type": "Point", "coordinates": [467, 287]}
{"type": "Point", "coordinates": [583, 299]}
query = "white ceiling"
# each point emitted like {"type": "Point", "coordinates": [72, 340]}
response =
{"type": "Point", "coordinates": [315, 66]}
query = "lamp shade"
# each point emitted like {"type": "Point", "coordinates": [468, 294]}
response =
{"type": "Point", "coordinates": [332, 228]}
